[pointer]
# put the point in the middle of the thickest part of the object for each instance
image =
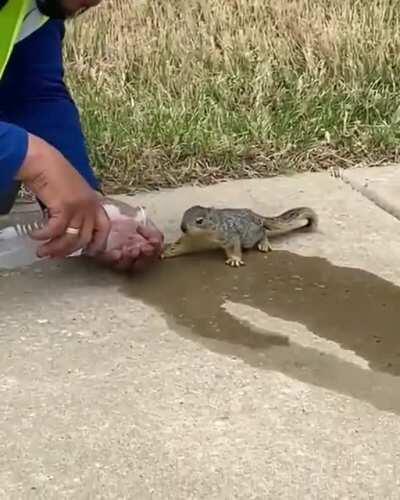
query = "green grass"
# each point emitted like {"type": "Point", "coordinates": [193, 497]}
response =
{"type": "Point", "coordinates": [198, 91]}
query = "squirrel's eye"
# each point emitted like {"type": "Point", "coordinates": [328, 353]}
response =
{"type": "Point", "coordinates": [199, 220]}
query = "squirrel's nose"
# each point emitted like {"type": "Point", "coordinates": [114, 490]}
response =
{"type": "Point", "coordinates": [183, 227]}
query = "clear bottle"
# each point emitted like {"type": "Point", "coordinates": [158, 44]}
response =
{"type": "Point", "coordinates": [17, 248]}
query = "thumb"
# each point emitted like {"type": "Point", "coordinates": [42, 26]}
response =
{"type": "Point", "coordinates": [151, 234]}
{"type": "Point", "coordinates": [55, 226]}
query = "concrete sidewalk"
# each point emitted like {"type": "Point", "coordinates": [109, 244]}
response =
{"type": "Point", "coordinates": [197, 381]}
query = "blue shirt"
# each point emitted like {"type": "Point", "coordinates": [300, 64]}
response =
{"type": "Point", "coordinates": [34, 98]}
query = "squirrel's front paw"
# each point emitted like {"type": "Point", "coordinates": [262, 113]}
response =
{"type": "Point", "coordinates": [234, 262]}
{"type": "Point", "coordinates": [171, 250]}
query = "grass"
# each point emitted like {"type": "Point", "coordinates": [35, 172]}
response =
{"type": "Point", "coordinates": [201, 90]}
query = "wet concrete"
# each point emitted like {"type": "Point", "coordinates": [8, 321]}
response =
{"type": "Point", "coordinates": [351, 307]}
{"type": "Point", "coordinates": [101, 397]}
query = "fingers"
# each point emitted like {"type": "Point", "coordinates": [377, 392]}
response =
{"type": "Point", "coordinates": [59, 247]}
{"type": "Point", "coordinates": [119, 260]}
{"type": "Point", "coordinates": [109, 257]}
{"type": "Point", "coordinates": [67, 243]}
{"type": "Point", "coordinates": [93, 232]}
{"type": "Point", "coordinates": [148, 254]}
{"type": "Point", "coordinates": [133, 257]}
{"type": "Point", "coordinates": [147, 250]}
{"type": "Point", "coordinates": [54, 228]}
{"type": "Point", "coordinates": [134, 260]}
{"type": "Point", "coordinates": [99, 238]}
{"type": "Point", "coordinates": [153, 236]}
{"type": "Point", "coordinates": [128, 256]}
{"type": "Point", "coordinates": [86, 233]}
{"type": "Point", "coordinates": [144, 248]}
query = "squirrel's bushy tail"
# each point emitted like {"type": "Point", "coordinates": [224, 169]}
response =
{"type": "Point", "coordinates": [291, 220]}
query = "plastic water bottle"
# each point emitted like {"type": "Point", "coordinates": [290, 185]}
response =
{"type": "Point", "coordinates": [17, 248]}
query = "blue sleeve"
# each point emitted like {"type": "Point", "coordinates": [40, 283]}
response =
{"type": "Point", "coordinates": [34, 96]}
{"type": "Point", "coordinates": [13, 149]}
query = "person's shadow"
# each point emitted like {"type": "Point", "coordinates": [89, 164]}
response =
{"type": "Point", "coordinates": [351, 307]}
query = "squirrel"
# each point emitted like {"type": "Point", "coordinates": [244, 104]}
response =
{"type": "Point", "coordinates": [234, 230]}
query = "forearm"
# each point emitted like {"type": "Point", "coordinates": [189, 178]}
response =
{"type": "Point", "coordinates": [13, 150]}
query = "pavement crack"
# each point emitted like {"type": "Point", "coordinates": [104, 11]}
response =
{"type": "Point", "coordinates": [362, 187]}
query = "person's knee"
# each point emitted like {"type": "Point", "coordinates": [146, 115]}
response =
{"type": "Point", "coordinates": [7, 199]}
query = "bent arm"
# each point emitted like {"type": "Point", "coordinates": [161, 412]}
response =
{"type": "Point", "coordinates": [34, 96]}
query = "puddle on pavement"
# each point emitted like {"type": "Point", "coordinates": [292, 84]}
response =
{"type": "Point", "coordinates": [351, 307]}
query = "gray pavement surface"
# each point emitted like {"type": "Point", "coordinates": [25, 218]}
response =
{"type": "Point", "coordinates": [197, 381]}
{"type": "Point", "coordinates": [381, 185]}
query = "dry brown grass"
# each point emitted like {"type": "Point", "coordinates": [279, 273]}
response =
{"type": "Point", "coordinates": [180, 91]}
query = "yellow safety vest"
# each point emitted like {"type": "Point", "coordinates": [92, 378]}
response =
{"type": "Point", "coordinates": [18, 19]}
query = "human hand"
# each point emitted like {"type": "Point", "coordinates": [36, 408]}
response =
{"type": "Point", "coordinates": [76, 217]}
{"type": "Point", "coordinates": [132, 244]}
